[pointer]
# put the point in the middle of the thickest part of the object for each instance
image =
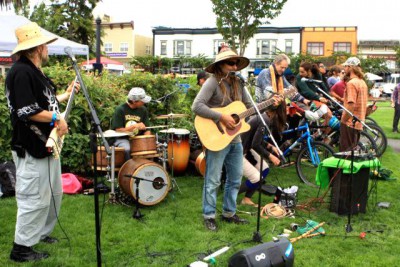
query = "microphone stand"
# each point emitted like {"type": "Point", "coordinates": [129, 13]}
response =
{"type": "Point", "coordinates": [256, 235]}
{"type": "Point", "coordinates": [93, 146]}
{"type": "Point", "coordinates": [136, 213]}
{"type": "Point", "coordinates": [349, 228]}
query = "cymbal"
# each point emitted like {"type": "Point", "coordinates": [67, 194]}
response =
{"type": "Point", "coordinates": [112, 133]}
{"type": "Point", "coordinates": [171, 116]}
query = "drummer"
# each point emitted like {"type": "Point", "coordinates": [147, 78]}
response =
{"type": "Point", "coordinates": [131, 117]}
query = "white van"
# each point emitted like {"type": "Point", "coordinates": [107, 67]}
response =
{"type": "Point", "coordinates": [388, 88]}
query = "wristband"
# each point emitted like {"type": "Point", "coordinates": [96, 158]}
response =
{"type": "Point", "coordinates": [53, 118]}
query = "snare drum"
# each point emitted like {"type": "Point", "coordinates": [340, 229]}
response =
{"type": "Point", "coordinates": [143, 145]}
{"type": "Point", "coordinates": [178, 149]}
{"type": "Point", "coordinates": [102, 161]}
{"type": "Point", "coordinates": [155, 184]}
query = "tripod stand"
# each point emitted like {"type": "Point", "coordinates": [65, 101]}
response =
{"type": "Point", "coordinates": [136, 213]}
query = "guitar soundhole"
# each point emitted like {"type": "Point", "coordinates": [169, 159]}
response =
{"type": "Point", "coordinates": [236, 118]}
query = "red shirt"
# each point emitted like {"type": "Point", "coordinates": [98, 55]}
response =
{"type": "Point", "coordinates": [338, 88]}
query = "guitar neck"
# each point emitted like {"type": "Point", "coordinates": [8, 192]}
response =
{"type": "Point", "coordinates": [252, 110]}
{"type": "Point", "coordinates": [289, 93]}
{"type": "Point", "coordinates": [70, 102]}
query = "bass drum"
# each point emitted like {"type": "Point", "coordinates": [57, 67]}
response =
{"type": "Point", "coordinates": [155, 184]}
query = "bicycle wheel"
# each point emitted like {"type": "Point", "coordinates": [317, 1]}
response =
{"type": "Point", "coordinates": [367, 143]}
{"type": "Point", "coordinates": [305, 168]}
{"type": "Point", "coordinates": [369, 120]}
{"type": "Point", "coordinates": [379, 137]}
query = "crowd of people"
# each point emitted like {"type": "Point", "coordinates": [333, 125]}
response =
{"type": "Point", "coordinates": [33, 105]}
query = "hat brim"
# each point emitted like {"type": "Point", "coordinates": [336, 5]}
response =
{"type": "Point", "coordinates": [33, 43]}
{"type": "Point", "coordinates": [243, 62]}
{"type": "Point", "coordinates": [146, 100]}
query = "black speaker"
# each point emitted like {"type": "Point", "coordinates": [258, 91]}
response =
{"type": "Point", "coordinates": [349, 193]}
{"type": "Point", "coordinates": [272, 254]}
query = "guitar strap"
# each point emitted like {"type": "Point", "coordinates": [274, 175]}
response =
{"type": "Point", "coordinates": [277, 86]}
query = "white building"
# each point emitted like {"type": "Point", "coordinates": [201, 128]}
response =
{"type": "Point", "coordinates": [380, 49]}
{"type": "Point", "coordinates": [265, 44]}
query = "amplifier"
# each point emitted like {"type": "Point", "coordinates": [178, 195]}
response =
{"type": "Point", "coordinates": [349, 193]}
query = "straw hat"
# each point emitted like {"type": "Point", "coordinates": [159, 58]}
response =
{"type": "Point", "coordinates": [225, 54]}
{"type": "Point", "coordinates": [29, 36]}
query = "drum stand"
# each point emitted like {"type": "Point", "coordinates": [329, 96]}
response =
{"type": "Point", "coordinates": [111, 196]}
{"type": "Point", "coordinates": [164, 159]}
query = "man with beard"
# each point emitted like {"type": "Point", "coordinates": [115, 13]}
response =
{"type": "Point", "coordinates": [355, 101]}
{"type": "Point", "coordinates": [34, 111]}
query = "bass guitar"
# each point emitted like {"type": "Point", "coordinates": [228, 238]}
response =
{"type": "Point", "coordinates": [215, 136]}
{"type": "Point", "coordinates": [55, 142]}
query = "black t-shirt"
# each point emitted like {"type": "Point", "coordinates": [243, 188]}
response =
{"type": "Point", "coordinates": [29, 92]}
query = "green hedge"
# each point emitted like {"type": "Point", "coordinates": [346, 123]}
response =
{"type": "Point", "coordinates": [106, 92]}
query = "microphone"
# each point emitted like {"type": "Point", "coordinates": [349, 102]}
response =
{"type": "Point", "coordinates": [310, 80]}
{"type": "Point", "coordinates": [68, 51]}
{"type": "Point", "coordinates": [237, 74]}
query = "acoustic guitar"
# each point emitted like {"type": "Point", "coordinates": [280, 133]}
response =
{"type": "Point", "coordinates": [215, 136]}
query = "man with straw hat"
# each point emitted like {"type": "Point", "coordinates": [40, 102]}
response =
{"type": "Point", "coordinates": [219, 90]}
{"type": "Point", "coordinates": [34, 111]}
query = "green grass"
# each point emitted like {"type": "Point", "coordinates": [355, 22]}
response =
{"type": "Point", "coordinates": [384, 116]}
{"type": "Point", "coordinates": [172, 232]}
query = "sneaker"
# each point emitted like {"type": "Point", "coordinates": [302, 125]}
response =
{"type": "Point", "coordinates": [210, 224]}
{"type": "Point", "coordinates": [22, 254]}
{"type": "Point", "coordinates": [234, 219]}
{"type": "Point", "coordinates": [269, 190]}
{"type": "Point", "coordinates": [49, 240]}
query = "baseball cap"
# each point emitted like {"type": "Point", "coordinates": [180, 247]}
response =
{"type": "Point", "coordinates": [138, 94]}
{"type": "Point", "coordinates": [201, 75]}
{"type": "Point", "coordinates": [352, 61]}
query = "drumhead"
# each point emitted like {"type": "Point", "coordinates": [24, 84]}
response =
{"type": "Point", "coordinates": [181, 132]}
{"type": "Point", "coordinates": [155, 184]}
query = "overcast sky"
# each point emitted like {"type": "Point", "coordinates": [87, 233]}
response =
{"type": "Point", "coordinates": [375, 19]}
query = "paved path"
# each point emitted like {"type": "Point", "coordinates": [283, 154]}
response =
{"type": "Point", "coordinates": [395, 144]}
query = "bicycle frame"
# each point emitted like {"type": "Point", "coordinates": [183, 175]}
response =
{"type": "Point", "coordinates": [305, 136]}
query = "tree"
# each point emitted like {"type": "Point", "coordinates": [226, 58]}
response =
{"type": "Point", "coordinates": [238, 20]}
{"type": "Point", "coordinates": [70, 19]}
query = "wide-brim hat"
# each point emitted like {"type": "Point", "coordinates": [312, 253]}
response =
{"type": "Point", "coordinates": [227, 54]}
{"type": "Point", "coordinates": [30, 35]}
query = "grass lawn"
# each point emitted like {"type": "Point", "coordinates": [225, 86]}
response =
{"type": "Point", "coordinates": [172, 232]}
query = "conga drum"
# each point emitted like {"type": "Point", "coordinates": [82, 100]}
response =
{"type": "Point", "coordinates": [142, 145]}
{"type": "Point", "coordinates": [178, 149]}
{"type": "Point", "coordinates": [198, 159]}
{"type": "Point", "coordinates": [154, 185]}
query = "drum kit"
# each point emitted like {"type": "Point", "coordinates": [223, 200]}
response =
{"type": "Point", "coordinates": [144, 177]}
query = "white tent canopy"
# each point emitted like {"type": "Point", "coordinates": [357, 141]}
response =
{"type": "Point", "coordinates": [373, 77]}
{"type": "Point", "coordinates": [8, 41]}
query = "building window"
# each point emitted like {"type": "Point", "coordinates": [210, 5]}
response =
{"type": "Point", "coordinates": [315, 49]}
{"type": "Point", "coordinates": [342, 47]}
{"type": "Point", "coordinates": [182, 48]}
{"type": "Point", "coordinates": [108, 47]}
{"type": "Point", "coordinates": [217, 45]}
{"type": "Point", "coordinates": [123, 47]}
{"type": "Point", "coordinates": [288, 46]}
{"type": "Point", "coordinates": [148, 48]}
{"type": "Point", "coordinates": [163, 48]}
{"type": "Point", "coordinates": [266, 47]}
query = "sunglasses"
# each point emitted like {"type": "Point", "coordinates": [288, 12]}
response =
{"type": "Point", "coordinates": [231, 63]}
